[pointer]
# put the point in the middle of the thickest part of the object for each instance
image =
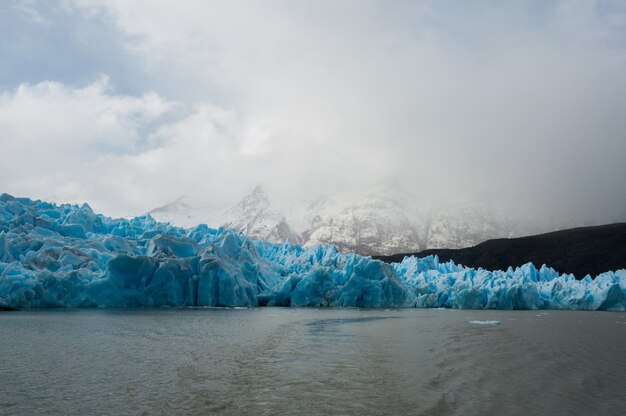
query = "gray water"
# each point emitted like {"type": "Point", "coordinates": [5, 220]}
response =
{"type": "Point", "coordinates": [274, 361]}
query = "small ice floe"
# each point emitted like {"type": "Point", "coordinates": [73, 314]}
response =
{"type": "Point", "coordinates": [485, 322]}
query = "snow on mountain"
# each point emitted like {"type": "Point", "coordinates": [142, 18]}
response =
{"type": "Point", "coordinates": [187, 212]}
{"type": "Point", "coordinates": [465, 225]}
{"type": "Point", "coordinates": [382, 220]}
{"type": "Point", "coordinates": [255, 217]}
{"type": "Point", "coordinates": [388, 218]}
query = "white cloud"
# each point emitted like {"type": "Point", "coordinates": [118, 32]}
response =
{"type": "Point", "coordinates": [51, 135]}
{"type": "Point", "coordinates": [517, 100]}
{"type": "Point", "coordinates": [123, 154]}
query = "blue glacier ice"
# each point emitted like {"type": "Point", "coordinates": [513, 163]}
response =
{"type": "Point", "coordinates": [68, 256]}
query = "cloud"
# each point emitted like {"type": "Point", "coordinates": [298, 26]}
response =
{"type": "Point", "coordinates": [53, 134]}
{"type": "Point", "coordinates": [126, 154]}
{"type": "Point", "coordinates": [520, 102]}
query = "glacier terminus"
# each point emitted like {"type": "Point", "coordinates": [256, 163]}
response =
{"type": "Point", "coordinates": [68, 256]}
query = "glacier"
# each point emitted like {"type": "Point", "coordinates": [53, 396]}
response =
{"type": "Point", "coordinates": [68, 256]}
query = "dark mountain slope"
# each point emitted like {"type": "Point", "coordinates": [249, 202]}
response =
{"type": "Point", "coordinates": [581, 251]}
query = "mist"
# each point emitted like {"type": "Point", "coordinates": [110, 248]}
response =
{"type": "Point", "coordinates": [128, 105]}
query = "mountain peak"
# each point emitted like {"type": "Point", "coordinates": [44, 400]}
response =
{"type": "Point", "coordinates": [255, 200]}
{"type": "Point", "coordinates": [178, 203]}
{"type": "Point", "coordinates": [255, 217]}
{"type": "Point", "coordinates": [258, 190]}
{"type": "Point", "coordinates": [382, 220]}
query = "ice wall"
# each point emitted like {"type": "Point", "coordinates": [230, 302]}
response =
{"type": "Point", "coordinates": [68, 256]}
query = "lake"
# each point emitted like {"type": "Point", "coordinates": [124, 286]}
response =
{"type": "Point", "coordinates": [281, 361]}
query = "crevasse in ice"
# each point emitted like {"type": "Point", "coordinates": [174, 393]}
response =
{"type": "Point", "coordinates": [68, 256]}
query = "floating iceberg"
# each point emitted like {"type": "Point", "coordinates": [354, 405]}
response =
{"type": "Point", "coordinates": [68, 256]}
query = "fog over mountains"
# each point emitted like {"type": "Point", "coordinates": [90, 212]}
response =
{"type": "Point", "coordinates": [386, 219]}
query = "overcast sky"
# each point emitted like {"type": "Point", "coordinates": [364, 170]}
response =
{"type": "Point", "coordinates": [130, 104]}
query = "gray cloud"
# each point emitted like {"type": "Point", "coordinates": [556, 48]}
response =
{"type": "Point", "coordinates": [521, 103]}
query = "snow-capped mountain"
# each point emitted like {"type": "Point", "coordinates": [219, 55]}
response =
{"type": "Point", "coordinates": [384, 220]}
{"type": "Point", "coordinates": [381, 220]}
{"type": "Point", "coordinates": [390, 218]}
{"type": "Point", "coordinates": [459, 226]}
{"type": "Point", "coordinates": [253, 216]}
{"type": "Point", "coordinates": [187, 212]}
